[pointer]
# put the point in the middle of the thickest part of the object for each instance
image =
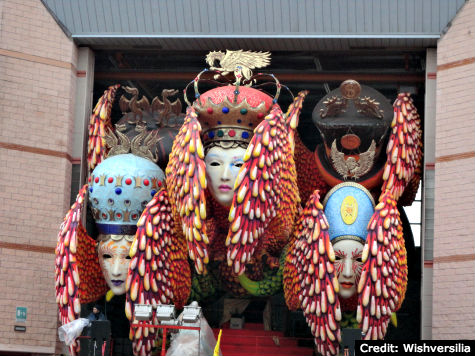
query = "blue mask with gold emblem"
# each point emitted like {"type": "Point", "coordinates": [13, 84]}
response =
{"type": "Point", "coordinates": [348, 208]}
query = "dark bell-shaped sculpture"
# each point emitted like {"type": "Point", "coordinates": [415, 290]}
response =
{"type": "Point", "coordinates": [354, 122]}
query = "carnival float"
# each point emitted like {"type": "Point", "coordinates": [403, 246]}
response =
{"type": "Point", "coordinates": [243, 207]}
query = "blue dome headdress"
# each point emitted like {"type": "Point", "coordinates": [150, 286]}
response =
{"type": "Point", "coordinates": [121, 186]}
{"type": "Point", "coordinates": [348, 208]}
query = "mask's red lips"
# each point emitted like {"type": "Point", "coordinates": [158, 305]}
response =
{"type": "Point", "coordinates": [347, 285]}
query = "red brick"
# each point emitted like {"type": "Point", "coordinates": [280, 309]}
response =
{"type": "Point", "coordinates": [37, 99]}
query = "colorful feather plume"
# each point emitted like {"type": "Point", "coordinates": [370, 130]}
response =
{"type": "Point", "coordinates": [310, 278]}
{"type": "Point", "coordinates": [159, 272]}
{"type": "Point", "coordinates": [265, 192]}
{"type": "Point", "coordinates": [383, 280]}
{"type": "Point", "coordinates": [78, 276]}
{"type": "Point", "coordinates": [186, 184]}
{"type": "Point", "coordinates": [404, 150]}
{"type": "Point", "coordinates": [99, 124]}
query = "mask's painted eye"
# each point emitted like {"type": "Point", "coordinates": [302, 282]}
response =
{"type": "Point", "coordinates": [106, 256]}
{"type": "Point", "coordinates": [128, 257]}
{"type": "Point", "coordinates": [215, 164]}
{"type": "Point", "coordinates": [337, 258]}
{"type": "Point", "coordinates": [358, 259]}
{"type": "Point", "coordinates": [238, 164]}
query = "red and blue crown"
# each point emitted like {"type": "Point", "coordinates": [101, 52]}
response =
{"type": "Point", "coordinates": [231, 111]}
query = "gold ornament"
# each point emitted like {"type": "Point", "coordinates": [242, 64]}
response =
{"type": "Point", "coordinates": [351, 167]}
{"type": "Point", "coordinates": [240, 62]}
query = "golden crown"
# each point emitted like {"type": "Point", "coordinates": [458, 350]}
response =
{"type": "Point", "coordinates": [229, 112]}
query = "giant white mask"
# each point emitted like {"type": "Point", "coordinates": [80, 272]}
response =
{"type": "Point", "coordinates": [348, 265]}
{"type": "Point", "coordinates": [114, 260]}
{"type": "Point", "coordinates": [222, 168]}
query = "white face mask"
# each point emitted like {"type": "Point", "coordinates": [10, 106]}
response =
{"type": "Point", "coordinates": [222, 168]}
{"type": "Point", "coordinates": [114, 260]}
{"type": "Point", "coordinates": [348, 266]}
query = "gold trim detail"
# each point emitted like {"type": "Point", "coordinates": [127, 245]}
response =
{"type": "Point", "coordinates": [118, 180]}
{"type": "Point", "coordinates": [348, 237]}
{"type": "Point", "coordinates": [350, 90]}
{"type": "Point", "coordinates": [349, 210]}
{"type": "Point", "coordinates": [351, 167]}
{"type": "Point", "coordinates": [347, 184]}
{"type": "Point", "coordinates": [142, 145]}
{"type": "Point", "coordinates": [154, 183]}
{"type": "Point", "coordinates": [238, 62]}
{"type": "Point", "coordinates": [102, 238]}
{"type": "Point", "coordinates": [209, 122]}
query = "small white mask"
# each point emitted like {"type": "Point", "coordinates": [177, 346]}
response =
{"type": "Point", "coordinates": [222, 168]}
{"type": "Point", "coordinates": [114, 260]}
{"type": "Point", "coordinates": [348, 266]}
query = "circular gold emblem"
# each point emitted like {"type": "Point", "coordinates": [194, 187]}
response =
{"type": "Point", "coordinates": [350, 89]}
{"type": "Point", "coordinates": [349, 210]}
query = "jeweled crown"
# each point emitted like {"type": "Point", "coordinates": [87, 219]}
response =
{"type": "Point", "coordinates": [231, 111]}
{"type": "Point", "coordinates": [229, 115]}
{"type": "Point", "coordinates": [119, 189]}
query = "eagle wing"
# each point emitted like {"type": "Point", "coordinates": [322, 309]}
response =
{"type": "Point", "coordinates": [338, 161]}
{"type": "Point", "coordinates": [159, 272]}
{"type": "Point", "coordinates": [246, 59]}
{"type": "Point", "coordinates": [99, 122]}
{"type": "Point", "coordinates": [310, 279]}
{"type": "Point", "coordinates": [186, 184]}
{"type": "Point", "coordinates": [404, 150]}
{"type": "Point", "coordinates": [78, 275]}
{"type": "Point", "coordinates": [265, 192]}
{"type": "Point", "coordinates": [366, 160]}
{"type": "Point", "coordinates": [383, 281]}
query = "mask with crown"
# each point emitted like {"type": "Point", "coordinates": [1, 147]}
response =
{"type": "Point", "coordinates": [119, 189]}
{"type": "Point", "coordinates": [228, 115]}
{"type": "Point", "coordinates": [117, 192]}
{"type": "Point", "coordinates": [236, 144]}
{"type": "Point", "coordinates": [350, 256]}
{"type": "Point", "coordinates": [230, 193]}
{"type": "Point", "coordinates": [348, 208]}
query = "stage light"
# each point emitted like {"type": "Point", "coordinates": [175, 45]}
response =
{"type": "Point", "coordinates": [191, 313]}
{"type": "Point", "coordinates": [166, 314]}
{"type": "Point", "coordinates": [143, 312]}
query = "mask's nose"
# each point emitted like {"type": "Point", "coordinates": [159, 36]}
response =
{"type": "Point", "coordinates": [115, 268]}
{"type": "Point", "coordinates": [347, 269]}
{"type": "Point", "coordinates": [226, 176]}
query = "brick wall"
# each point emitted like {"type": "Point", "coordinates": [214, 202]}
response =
{"type": "Point", "coordinates": [38, 79]}
{"type": "Point", "coordinates": [453, 312]}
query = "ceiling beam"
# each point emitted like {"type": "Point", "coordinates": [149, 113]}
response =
{"type": "Point", "coordinates": [283, 77]}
